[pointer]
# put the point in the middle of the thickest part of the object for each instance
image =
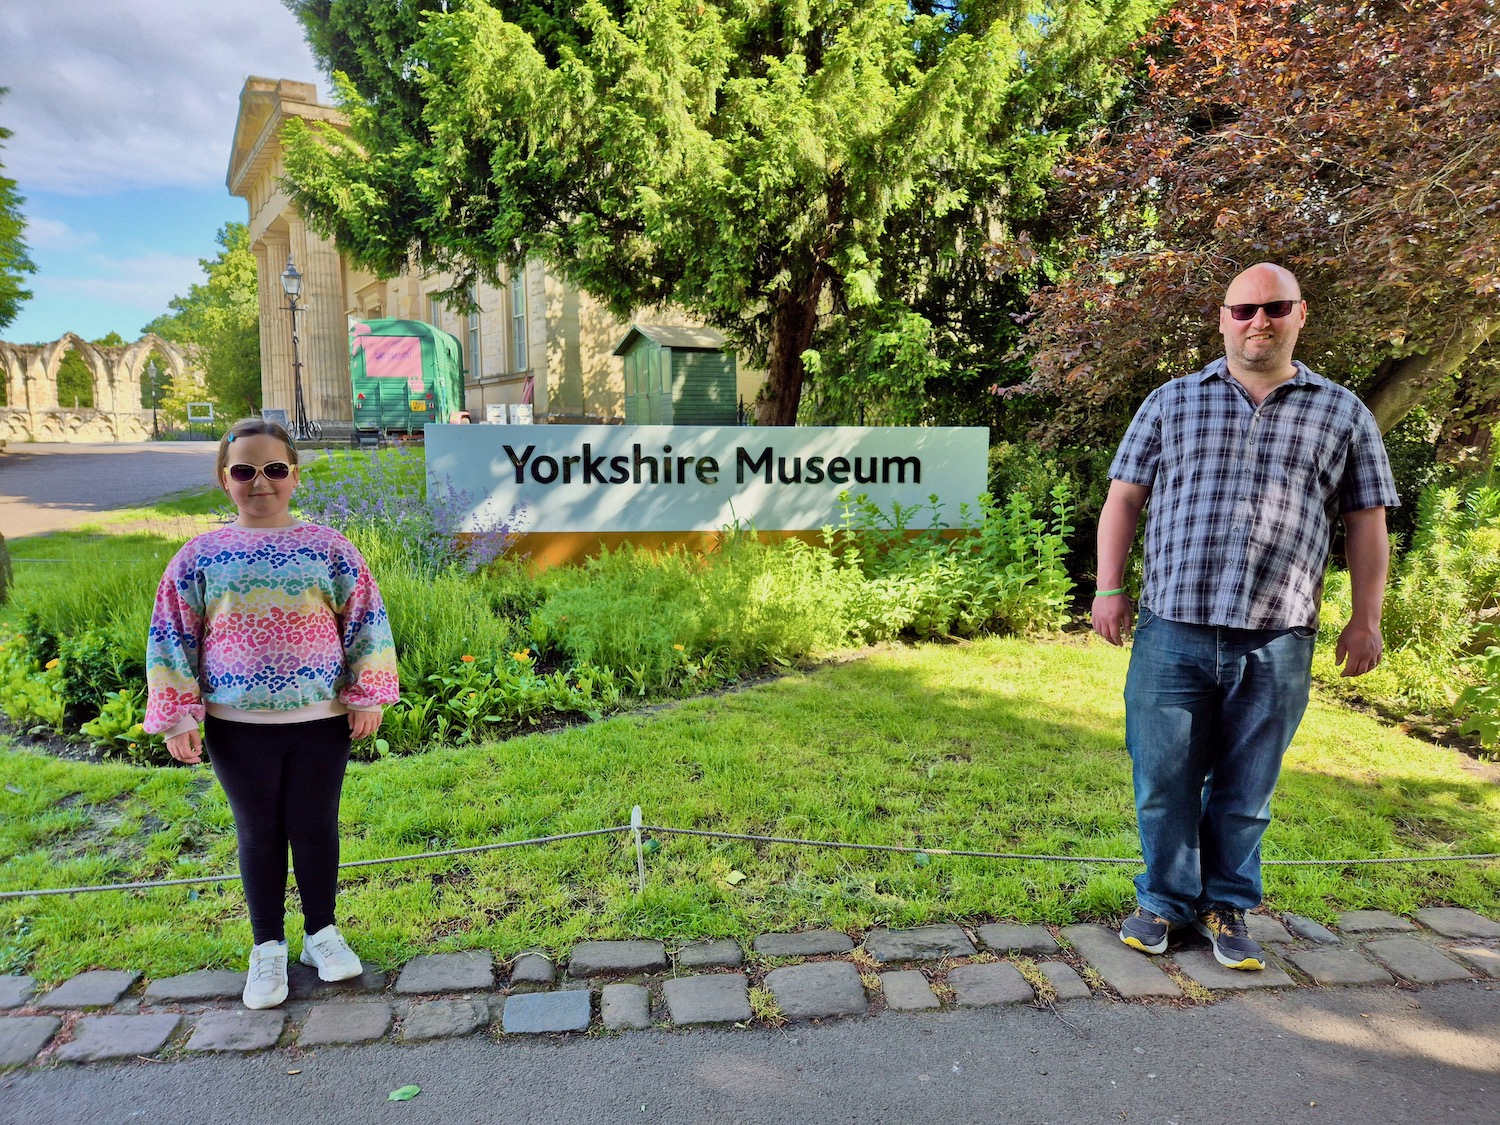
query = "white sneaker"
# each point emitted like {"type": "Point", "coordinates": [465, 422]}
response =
{"type": "Point", "coordinates": [265, 982]}
{"type": "Point", "coordinates": [329, 953]}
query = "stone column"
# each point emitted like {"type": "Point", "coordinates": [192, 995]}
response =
{"type": "Point", "coordinates": [275, 325]}
{"type": "Point", "coordinates": [325, 329]}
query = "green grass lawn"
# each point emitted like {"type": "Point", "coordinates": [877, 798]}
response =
{"type": "Point", "coordinates": [1000, 745]}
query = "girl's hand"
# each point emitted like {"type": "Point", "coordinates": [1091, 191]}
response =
{"type": "Point", "coordinates": [362, 724]}
{"type": "Point", "coordinates": [186, 747]}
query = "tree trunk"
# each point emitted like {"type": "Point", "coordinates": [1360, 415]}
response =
{"type": "Point", "coordinates": [1406, 382]}
{"type": "Point", "coordinates": [792, 324]}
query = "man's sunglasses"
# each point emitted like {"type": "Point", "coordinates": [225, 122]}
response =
{"type": "Point", "coordinates": [275, 470]}
{"type": "Point", "coordinates": [1274, 309]}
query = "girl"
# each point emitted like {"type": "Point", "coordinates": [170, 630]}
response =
{"type": "Point", "coordinates": [274, 630]}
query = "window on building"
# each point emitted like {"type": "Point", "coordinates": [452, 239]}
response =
{"type": "Point", "coordinates": [518, 323]}
{"type": "Point", "coordinates": [475, 370]}
{"type": "Point", "coordinates": [434, 311]}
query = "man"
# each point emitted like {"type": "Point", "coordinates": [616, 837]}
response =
{"type": "Point", "coordinates": [1245, 464]}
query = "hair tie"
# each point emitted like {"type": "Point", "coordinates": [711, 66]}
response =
{"type": "Point", "coordinates": [229, 437]}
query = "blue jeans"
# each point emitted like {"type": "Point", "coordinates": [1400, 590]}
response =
{"type": "Point", "coordinates": [1209, 712]}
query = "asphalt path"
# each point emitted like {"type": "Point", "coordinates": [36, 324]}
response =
{"type": "Point", "coordinates": [56, 486]}
{"type": "Point", "coordinates": [1317, 1055]}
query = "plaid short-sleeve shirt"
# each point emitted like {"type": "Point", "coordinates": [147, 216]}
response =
{"type": "Point", "coordinates": [1238, 524]}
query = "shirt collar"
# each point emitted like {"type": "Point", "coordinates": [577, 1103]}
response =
{"type": "Point", "coordinates": [1219, 369]}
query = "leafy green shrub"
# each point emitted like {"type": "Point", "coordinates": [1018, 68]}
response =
{"type": "Point", "coordinates": [435, 617]}
{"type": "Point", "coordinates": [1442, 593]}
{"type": "Point", "coordinates": [1480, 702]}
{"type": "Point", "coordinates": [1002, 571]}
{"type": "Point", "coordinates": [476, 699]}
{"type": "Point", "coordinates": [30, 690]}
{"type": "Point", "coordinates": [117, 729]}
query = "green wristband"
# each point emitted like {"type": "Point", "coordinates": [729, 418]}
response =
{"type": "Point", "coordinates": [1108, 593]}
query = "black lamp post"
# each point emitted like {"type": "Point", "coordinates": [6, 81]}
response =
{"type": "Point", "coordinates": [291, 284]}
{"type": "Point", "coordinates": [151, 374]}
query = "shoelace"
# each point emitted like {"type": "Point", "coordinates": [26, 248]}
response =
{"type": "Point", "coordinates": [266, 967]}
{"type": "Point", "coordinates": [330, 946]}
{"type": "Point", "coordinates": [1227, 922]}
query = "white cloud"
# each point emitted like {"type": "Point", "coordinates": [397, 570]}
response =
{"type": "Point", "coordinates": [106, 95]}
{"type": "Point", "coordinates": [51, 234]}
{"type": "Point", "coordinates": [133, 290]}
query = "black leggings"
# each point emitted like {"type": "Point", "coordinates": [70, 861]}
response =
{"type": "Point", "coordinates": [283, 784]}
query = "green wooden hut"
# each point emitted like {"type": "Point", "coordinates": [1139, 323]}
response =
{"type": "Point", "coordinates": [677, 377]}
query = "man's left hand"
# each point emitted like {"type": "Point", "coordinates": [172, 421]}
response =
{"type": "Point", "coordinates": [1358, 650]}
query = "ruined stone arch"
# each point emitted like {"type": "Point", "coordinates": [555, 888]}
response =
{"type": "Point", "coordinates": [33, 413]}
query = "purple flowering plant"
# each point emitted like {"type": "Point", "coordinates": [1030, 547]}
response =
{"type": "Point", "coordinates": [388, 493]}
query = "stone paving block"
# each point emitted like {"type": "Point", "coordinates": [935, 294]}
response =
{"type": "Point", "coordinates": [1128, 972]}
{"type": "Point", "coordinates": [1416, 960]}
{"type": "Point", "coordinates": [720, 954]}
{"type": "Point", "coordinates": [445, 1019]}
{"type": "Point", "coordinates": [1199, 964]}
{"type": "Point", "coordinates": [544, 1013]}
{"type": "Point", "coordinates": [1456, 922]}
{"type": "Point", "coordinates": [532, 971]}
{"type": "Point", "coordinates": [598, 958]}
{"type": "Point", "coordinates": [625, 1007]}
{"type": "Point", "coordinates": [1338, 966]}
{"type": "Point", "coordinates": [205, 984]}
{"type": "Point", "coordinates": [920, 943]}
{"type": "Point", "coordinates": [995, 982]}
{"type": "Point", "coordinates": [237, 1030]}
{"type": "Point", "coordinates": [1312, 931]}
{"type": "Point", "coordinates": [818, 990]}
{"type": "Point", "coordinates": [15, 991]}
{"type": "Point", "coordinates": [808, 943]}
{"type": "Point", "coordinates": [709, 998]}
{"type": "Point", "coordinates": [1267, 930]}
{"type": "Point", "coordinates": [1483, 958]}
{"type": "Point", "coordinates": [21, 1037]}
{"type": "Point", "coordinates": [345, 1022]}
{"type": "Point", "coordinates": [97, 988]}
{"type": "Point", "coordinates": [1372, 922]}
{"type": "Point", "coordinates": [907, 990]}
{"type": "Point", "coordinates": [472, 971]}
{"type": "Point", "coordinates": [117, 1037]}
{"type": "Point", "coordinates": [303, 983]}
{"type": "Point", "coordinates": [1003, 937]}
{"type": "Point", "coordinates": [1065, 981]}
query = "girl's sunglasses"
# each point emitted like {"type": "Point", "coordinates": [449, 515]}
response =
{"type": "Point", "coordinates": [1274, 309]}
{"type": "Point", "coordinates": [244, 474]}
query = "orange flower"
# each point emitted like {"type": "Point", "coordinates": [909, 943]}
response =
{"type": "Point", "coordinates": [466, 658]}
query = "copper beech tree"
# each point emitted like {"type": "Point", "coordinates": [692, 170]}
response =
{"type": "Point", "coordinates": [1356, 143]}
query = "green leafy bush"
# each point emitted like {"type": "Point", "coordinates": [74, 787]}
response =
{"type": "Point", "coordinates": [1439, 612]}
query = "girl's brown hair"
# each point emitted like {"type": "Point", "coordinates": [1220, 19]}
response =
{"type": "Point", "coordinates": [249, 427]}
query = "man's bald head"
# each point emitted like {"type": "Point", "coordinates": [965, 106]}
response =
{"type": "Point", "coordinates": [1263, 275]}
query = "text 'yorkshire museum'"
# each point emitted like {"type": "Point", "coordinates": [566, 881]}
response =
{"type": "Point", "coordinates": [703, 478]}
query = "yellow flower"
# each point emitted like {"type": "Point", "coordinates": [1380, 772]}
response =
{"type": "Point", "coordinates": [466, 658]}
{"type": "Point", "coordinates": [51, 664]}
{"type": "Point", "coordinates": [679, 648]}
{"type": "Point", "coordinates": [520, 657]}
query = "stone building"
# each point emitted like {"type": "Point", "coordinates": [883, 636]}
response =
{"type": "Point", "coordinates": [532, 327]}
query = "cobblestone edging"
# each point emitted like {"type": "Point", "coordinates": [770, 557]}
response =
{"type": "Point", "coordinates": [622, 985]}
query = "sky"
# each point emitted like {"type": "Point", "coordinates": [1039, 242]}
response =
{"type": "Point", "coordinates": [122, 113]}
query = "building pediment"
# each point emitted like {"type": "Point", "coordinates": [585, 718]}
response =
{"type": "Point", "coordinates": [265, 105]}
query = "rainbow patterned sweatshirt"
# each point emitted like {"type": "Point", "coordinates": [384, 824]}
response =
{"type": "Point", "coordinates": [279, 624]}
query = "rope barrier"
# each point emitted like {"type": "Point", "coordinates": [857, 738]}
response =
{"type": "Point", "coordinates": [636, 828]}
